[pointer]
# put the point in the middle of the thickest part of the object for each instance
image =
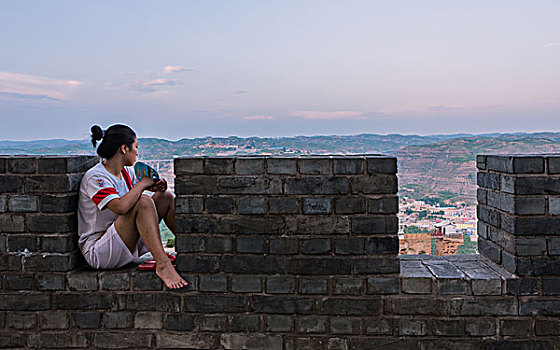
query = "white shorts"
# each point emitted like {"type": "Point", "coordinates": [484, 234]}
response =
{"type": "Point", "coordinates": [110, 252]}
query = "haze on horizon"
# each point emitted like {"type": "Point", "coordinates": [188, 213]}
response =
{"type": "Point", "coordinates": [178, 69]}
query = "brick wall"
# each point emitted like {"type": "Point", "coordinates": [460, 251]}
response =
{"type": "Point", "coordinates": [279, 253]}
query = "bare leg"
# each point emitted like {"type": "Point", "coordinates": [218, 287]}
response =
{"type": "Point", "coordinates": [165, 205]}
{"type": "Point", "coordinates": [142, 221]}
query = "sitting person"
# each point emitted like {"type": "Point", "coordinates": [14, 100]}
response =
{"type": "Point", "coordinates": [116, 222]}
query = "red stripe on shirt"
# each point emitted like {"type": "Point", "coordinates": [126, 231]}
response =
{"type": "Point", "coordinates": [102, 193]}
{"type": "Point", "coordinates": [126, 179]}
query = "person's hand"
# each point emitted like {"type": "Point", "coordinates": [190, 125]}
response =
{"type": "Point", "coordinates": [147, 182]}
{"type": "Point", "coordinates": [160, 186]}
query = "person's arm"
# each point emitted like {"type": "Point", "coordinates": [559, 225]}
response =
{"type": "Point", "coordinates": [122, 205]}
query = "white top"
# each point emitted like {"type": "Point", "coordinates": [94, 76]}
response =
{"type": "Point", "coordinates": [99, 187]}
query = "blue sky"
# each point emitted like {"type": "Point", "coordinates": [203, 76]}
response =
{"type": "Point", "coordinates": [176, 69]}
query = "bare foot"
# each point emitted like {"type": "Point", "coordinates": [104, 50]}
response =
{"type": "Point", "coordinates": [169, 276]}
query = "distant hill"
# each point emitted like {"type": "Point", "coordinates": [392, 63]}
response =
{"type": "Point", "coordinates": [441, 166]}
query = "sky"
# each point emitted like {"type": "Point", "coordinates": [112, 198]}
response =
{"type": "Point", "coordinates": [175, 69]}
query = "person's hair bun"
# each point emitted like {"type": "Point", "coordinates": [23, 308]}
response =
{"type": "Point", "coordinates": [96, 134]}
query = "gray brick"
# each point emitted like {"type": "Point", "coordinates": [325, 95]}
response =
{"type": "Point", "coordinates": [482, 229]}
{"type": "Point", "coordinates": [317, 206]}
{"type": "Point", "coordinates": [488, 180]}
{"type": "Point", "coordinates": [283, 205]}
{"type": "Point", "coordinates": [419, 306]}
{"type": "Point", "coordinates": [213, 323]}
{"type": "Point", "coordinates": [350, 246]}
{"type": "Point", "coordinates": [19, 243]}
{"type": "Point", "coordinates": [249, 166]}
{"type": "Point", "coordinates": [539, 307]}
{"type": "Point", "coordinates": [554, 206]}
{"type": "Point", "coordinates": [315, 166]}
{"type": "Point", "coordinates": [83, 282]}
{"type": "Point", "coordinates": [522, 286]}
{"type": "Point", "coordinates": [3, 204]}
{"type": "Point", "coordinates": [49, 223]}
{"type": "Point", "coordinates": [22, 321]}
{"type": "Point", "coordinates": [516, 164]}
{"type": "Point", "coordinates": [283, 246]}
{"type": "Point", "coordinates": [18, 282]}
{"type": "Point", "coordinates": [385, 205]}
{"type": "Point", "coordinates": [249, 185]}
{"type": "Point", "coordinates": [22, 165]}
{"type": "Point", "coordinates": [280, 285]}
{"type": "Point", "coordinates": [383, 245]}
{"type": "Point", "coordinates": [489, 250]}
{"type": "Point", "coordinates": [143, 301]}
{"type": "Point", "coordinates": [530, 246]}
{"type": "Point", "coordinates": [196, 184]}
{"type": "Point", "coordinates": [313, 285]}
{"type": "Point", "coordinates": [483, 307]}
{"type": "Point", "coordinates": [2, 166]}
{"type": "Point", "coordinates": [554, 246]}
{"type": "Point", "coordinates": [481, 327]}
{"type": "Point", "coordinates": [216, 303]}
{"type": "Point", "coordinates": [316, 185]}
{"type": "Point", "coordinates": [245, 323]}
{"type": "Point", "coordinates": [115, 281]}
{"type": "Point", "coordinates": [80, 164]}
{"type": "Point", "coordinates": [417, 285]}
{"type": "Point", "coordinates": [252, 205]}
{"type": "Point", "coordinates": [481, 196]}
{"type": "Point", "coordinates": [375, 224]}
{"type": "Point", "coordinates": [146, 280]}
{"type": "Point", "coordinates": [220, 205]}
{"type": "Point", "coordinates": [451, 286]}
{"type": "Point", "coordinates": [279, 323]}
{"type": "Point", "coordinates": [381, 165]}
{"type": "Point", "coordinates": [57, 340]}
{"type": "Point", "coordinates": [376, 265]}
{"type": "Point", "coordinates": [481, 162]}
{"type": "Point", "coordinates": [376, 184]}
{"type": "Point", "coordinates": [350, 285]}
{"type": "Point", "coordinates": [251, 245]}
{"type": "Point", "coordinates": [22, 203]}
{"type": "Point", "coordinates": [345, 306]}
{"type": "Point", "coordinates": [281, 166]}
{"type": "Point", "coordinates": [54, 320]}
{"type": "Point", "coordinates": [52, 183]}
{"type": "Point", "coordinates": [553, 165]}
{"type": "Point", "coordinates": [320, 225]}
{"type": "Point", "coordinates": [246, 284]}
{"type": "Point", "coordinates": [213, 283]}
{"type": "Point", "coordinates": [488, 215]}
{"type": "Point", "coordinates": [12, 223]}
{"type": "Point", "coordinates": [316, 246]}
{"type": "Point", "coordinates": [413, 327]}
{"type": "Point", "coordinates": [446, 327]}
{"type": "Point", "coordinates": [383, 285]}
{"type": "Point", "coordinates": [345, 325]}
{"type": "Point", "coordinates": [148, 320]}
{"type": "Point", "coordinates": [58, 203]}
{"type": "Point", "coordinates": [218, 244]}
{"type": "Point", "coordinates": [179, 322]}
{"type": "Point", "coordinates": [311, 324]}
{"type": "Point", "coordinates": [378, 326]}
{"type": "Point", "coordinates": [188, 244]}
{"type": "Point", "coordinates": [350, 205]}
{"type": "Point", "coordinates": [348, 166]}
{"type": "Point", "coordinates": [551, 286]}
{"type": "Point", "coordinates": [135, 340]}
{"type": "Point", "coordinates": [518, 328]}
{"type": "Point", "coordinates": [51, 165]}
{"type": "Point", "coordinates": [26, 302]}
{"type": "Point", "coordinates": [184, 166]}
{"type": "Point", "coordinates": [51, 281]}
{"type": "Point", "coordinates": [547, 327]}
{"type": "Point", "coordinates": [87, 319]}
{"type": "Point", "coordinates": [62, 243]}
{"type": "Point", "coordinates": [486, 286]}
{"type": "Point", "coordinates": [189, 204]}
{"type": "Point", "coordinates": [251, 341]}
{"type": "Point", "coordinates": [11, 184]}
{"type": "Point", "coordinates": [218, 166]}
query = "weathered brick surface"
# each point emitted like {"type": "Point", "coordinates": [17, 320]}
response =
{"type": "Point", "coordinates": [284, 253]}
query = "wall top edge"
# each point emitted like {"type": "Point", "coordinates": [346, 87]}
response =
{"type": "Point", "coordinates": [334, 156]}
{"type": "Point", "coordinates": [515, 155]}
{"type": "Point", "coordinates": [44, 156]}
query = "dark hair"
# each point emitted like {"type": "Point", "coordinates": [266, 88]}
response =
{"type": "Point", "coordinates": [113, 138]}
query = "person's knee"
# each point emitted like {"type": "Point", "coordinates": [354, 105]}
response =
{"type": "Point", "coordinates": [145, 203]}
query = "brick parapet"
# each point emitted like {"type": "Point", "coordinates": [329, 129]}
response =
{"type": "Point", "coordinates": [38, 200]}
{"type": "Point", "coordinates": [519, 222]}
{"type": "Point", "coordinates": [254, 284]}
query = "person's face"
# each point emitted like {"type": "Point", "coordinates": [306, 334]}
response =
{"type": "Point", "coordinates": [131, 154]}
